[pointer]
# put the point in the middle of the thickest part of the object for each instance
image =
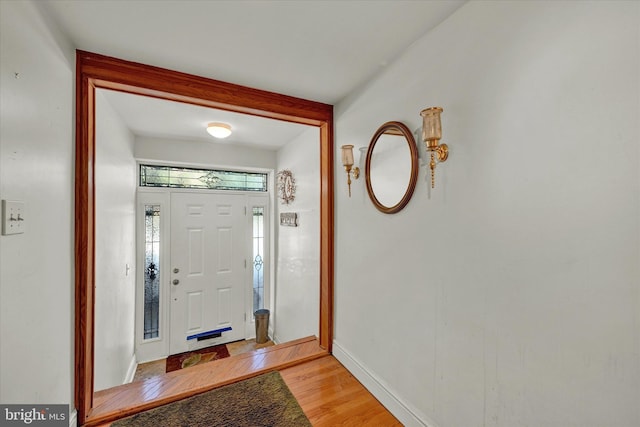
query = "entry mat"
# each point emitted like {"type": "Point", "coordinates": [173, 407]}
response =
{"type": "Point", "coordinates": [264, 400]}
{"type": "Point", "coordinates": [196, 357]}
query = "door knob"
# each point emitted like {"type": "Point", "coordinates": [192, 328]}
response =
{"type": "Point", "coordinates": [176, 281]}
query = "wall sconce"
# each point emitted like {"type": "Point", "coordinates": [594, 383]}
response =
{"type": "Point", "coordinates": [431, 134]}
{"type": "Point", "coordinates": [347, 162]}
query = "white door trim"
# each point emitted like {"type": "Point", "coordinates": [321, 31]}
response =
{"type": "Point", "coordinates": [158, 348]}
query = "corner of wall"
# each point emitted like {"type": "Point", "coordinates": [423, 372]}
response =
{"type": "Point", "coordinates": [131, 371]}
{"type": "Point", "coordinates": [403, 411]}
{"type": "Point", "coordinates": [73, 418]}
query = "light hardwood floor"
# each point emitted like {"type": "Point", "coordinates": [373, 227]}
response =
{"type": "Point", "coordinates": [156, 368]}
{"type": "Point", "coordinates": [328, 394]}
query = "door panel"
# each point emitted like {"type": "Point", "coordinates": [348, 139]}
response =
{"type": "Point", "coordinates": [196, 251]}
{"type": "Point", "coordinates": [194, 311]}
{"type": "Point", "coordinates": [208, 235]}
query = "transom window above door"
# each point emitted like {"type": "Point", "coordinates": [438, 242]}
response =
{"type": "Point", "coordinates": [213, 179]}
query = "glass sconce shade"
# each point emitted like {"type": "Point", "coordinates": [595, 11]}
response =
{"type": "Point", "coordinates": [347, 162]}
{"type": "Point", "coordinates": [431, 126]}
{"type": "Point", "coordinates": [431, 134]}
{"type": "Point", "coordinates": [347, 155]}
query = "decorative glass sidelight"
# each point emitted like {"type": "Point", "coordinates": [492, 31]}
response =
{"type": "Point", "coordinates": [152, 272]}
{"type": "Point", "coordinates": [258, 260]}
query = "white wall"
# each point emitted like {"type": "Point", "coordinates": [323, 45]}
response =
{"type": "Point", "coordinates": [115, 248]}
{"type": "Point", "coordinates": [510, 296]}
{"type": "Point", "coordinates": [519, 307]}
{"type": "Point", "coordinates": [36, 166]}
{"type": "Point", "coordinates": [298, 248]}
{"type": "Point", "coordinates": [198, 152]}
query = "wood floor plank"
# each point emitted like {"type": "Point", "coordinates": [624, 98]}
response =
{"type": "Point", "coordinates": [330, 396]}
{"type": "Point", "coordinates": [128, 399]}
{"type": "Point", "coordinates": [327, 392]}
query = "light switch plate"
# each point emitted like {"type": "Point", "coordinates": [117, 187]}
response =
{"type": "Point", "coordinates": [13, 217]}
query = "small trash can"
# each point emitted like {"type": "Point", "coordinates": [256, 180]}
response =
{"type": "Point", "coordinates": [262, 325]}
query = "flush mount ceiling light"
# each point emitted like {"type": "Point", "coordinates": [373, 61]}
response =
{"type": "Point", "coordinates": [219, 130]}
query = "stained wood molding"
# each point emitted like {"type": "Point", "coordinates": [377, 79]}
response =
{"type": "Point", "coordinates": [99, 71]}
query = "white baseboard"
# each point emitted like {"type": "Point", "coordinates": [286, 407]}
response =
{"type": "Point", "coordinates": [404, 412]}
{"type": "Point", "coordinates": [133, 365]}
{"type": "Point", "coordinates": [274, 338]}
{"type": "Point", "coordinates": [73, 418]}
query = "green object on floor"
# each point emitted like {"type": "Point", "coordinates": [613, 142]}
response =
{"type": "Point", "coordinates": [264, 400]}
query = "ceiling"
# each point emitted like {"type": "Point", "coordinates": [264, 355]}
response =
{"type": "Point", "coordinates": [157, 118]}
{"type": "Point", "coordinates": [316, 50]}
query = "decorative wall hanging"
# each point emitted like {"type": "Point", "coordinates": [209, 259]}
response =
{"type": "Point", "coordinates": [391, 167]}
{"type": "Point", "coordinates": [289, 219]}
{"type": "Point", "coordinates": [286, 186]}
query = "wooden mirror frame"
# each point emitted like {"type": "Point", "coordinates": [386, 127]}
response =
{"type": "Point", "coordinates": [393, 128]}
{"type": "Point", "coordinates": [99, 71]}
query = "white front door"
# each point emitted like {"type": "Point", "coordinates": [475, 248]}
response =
{"type": "Point", "coordinates": [208, 247]}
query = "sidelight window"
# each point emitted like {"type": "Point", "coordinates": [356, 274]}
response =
{"type": "Point", "coordinates": [152, 272]}
{"type": "Point", "coordinates": [258, 258]}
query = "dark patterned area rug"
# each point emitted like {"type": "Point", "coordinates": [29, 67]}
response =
{"type": "Point", "coordinates": [260, 401]}
{"type": "Point", "coordinates": [196, 357]}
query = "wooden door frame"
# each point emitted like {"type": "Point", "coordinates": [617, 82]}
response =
{"type": "Point", "coordinates": [99, 71]}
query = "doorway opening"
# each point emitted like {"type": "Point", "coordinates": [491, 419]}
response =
{"type": "Point", "coordinates": [200, 275]}
{"type": "Point", "coordinates": [97, 71]}
{"type": "Point", "coordinates": [204, 246]}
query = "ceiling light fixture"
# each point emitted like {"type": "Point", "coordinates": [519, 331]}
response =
{"type": "Point", "coordinates": [219, 130]}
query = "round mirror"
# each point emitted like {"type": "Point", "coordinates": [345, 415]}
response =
{"type": "Point", "coordinates": [391, 169]}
